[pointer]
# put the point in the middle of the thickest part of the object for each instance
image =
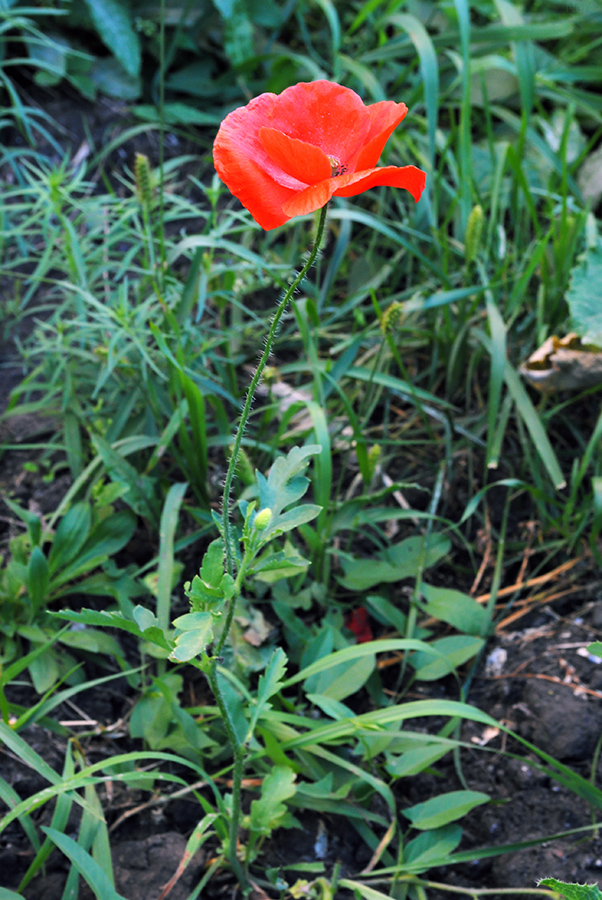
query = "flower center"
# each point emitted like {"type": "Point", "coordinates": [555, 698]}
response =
{"type": "Point", "coordinates": [338, 168]}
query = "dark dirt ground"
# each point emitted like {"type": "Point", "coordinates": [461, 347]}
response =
{"type": "Point", "coordinates": [545, 688]}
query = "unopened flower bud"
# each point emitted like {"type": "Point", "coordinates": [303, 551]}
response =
{"type": "Point", "coordinates": [262, 518]}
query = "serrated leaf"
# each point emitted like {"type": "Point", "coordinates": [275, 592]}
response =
{"type": "Point", "coordinates": [212, 567]}
{"type": "Point", "coordinates": [113, 21]}
{"type": "Point", "coordinates": [573, 891]}
{"type": "Point", "coordinates": [443, 809]}
{"type": "Point", "coordinates": [285, 484]}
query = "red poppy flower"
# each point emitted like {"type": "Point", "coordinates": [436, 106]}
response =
{"type": "Point", "coordinates": [287, 154]}
{"type": "Point", "coordinates": [358, 622]}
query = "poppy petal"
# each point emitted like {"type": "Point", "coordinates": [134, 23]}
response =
{"type": "Point", "coordinates": [408, 177]}
{"type": "Point", "coordinates": [384, 119]}
{"type": "Point", "coordinates": [305, 162]}
{"type": "Point", "coordinates": [314, 197]}
{"type": "Point", "coordinates": [245, 167]}
{"type": "Point", "coordinates": [324, 114]}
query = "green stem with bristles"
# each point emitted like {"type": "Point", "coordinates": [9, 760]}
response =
{"type": "Point", "coordinates": [227, 528]}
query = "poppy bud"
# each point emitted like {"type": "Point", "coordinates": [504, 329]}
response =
{"type": "Point", "coordinates": [262, 519]}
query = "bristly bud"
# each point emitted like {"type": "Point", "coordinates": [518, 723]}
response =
{"type": "Point", "coordinates": [474, 230]}
{"type": "Point", "coordinates": [392, 318]}
{"type": "Point", "coordinates": [262, 519]}
{"type": "Point", "coordinates": [144, 188]}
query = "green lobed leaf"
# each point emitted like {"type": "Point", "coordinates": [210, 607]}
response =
{"type": "Point", "coordinates": [197, 634]}
{"type": "Point", "coordinates": [443, 809]}
{"type": "Point", "coordinates": [268, 812]}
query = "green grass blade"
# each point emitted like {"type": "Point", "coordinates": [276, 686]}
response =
{"type": "Point", "coordinates": [90, 871]}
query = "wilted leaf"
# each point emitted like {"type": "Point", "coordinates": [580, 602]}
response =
{"type": "Point", "coordinates": [564, 364]}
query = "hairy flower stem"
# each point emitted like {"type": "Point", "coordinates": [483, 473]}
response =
{"type": "Point", "coordinates": [227, 528]}
{"type": "Point", "coordinates": [238, 748]}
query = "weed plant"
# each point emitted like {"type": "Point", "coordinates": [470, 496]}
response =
{"type": "Point", "coordinates": [396, 372]}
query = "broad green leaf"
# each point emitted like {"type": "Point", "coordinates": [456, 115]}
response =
{"type": "Point", "coordinates": [113, 21]}
{"type": "Point", "coordinates": [106, 539]}
{"type": "Point", "coordinates": [417, 760]}
{"type": "Point", "coordinates": [93, 641]}
{"type": "Point", "coordinates": [456, 649]}
{"type": "Point", "coordinates": [573, 891]}
{"type": "Point", "coordinates": [44, 671]}
{"type": "Point", "coordinates": [402, 560]}
{"type": "Point", "coordinates": [37, 577]}
{"type": "Point", "coordinates": [443, 809]}
{"type": "Point", "coordinates": [110, 76]}
{"type": "Point", "coordinates": [431, 846]}
{"type": "Point", "coordinates": [268, 812]}
{"type": "Point", "coordinates": [455, 608]}
{"type": "Point", "coordinates": [344, 679]}
{"type": "Point", "coordinates": [5, 894]}
{"type": "Point", "coordinates": [70, 536]}
{"type": "Point", "coordinates": [595, 649]}
{"type": "Point", "coordinates": [583, 296]}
